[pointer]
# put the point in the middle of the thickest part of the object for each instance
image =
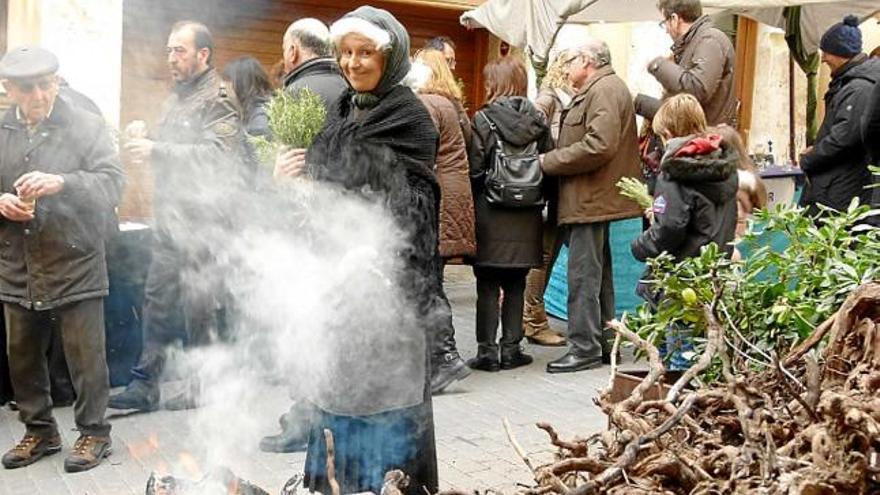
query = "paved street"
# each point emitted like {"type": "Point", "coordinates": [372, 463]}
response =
{"type": "Point", "coordinates": [472, 447]}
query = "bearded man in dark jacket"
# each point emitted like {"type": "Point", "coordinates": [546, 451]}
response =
{"type": "Point", "coordinates": [60, 180]}
{"type": "Point", "coordinates": [197, 174]}
{"type": "Point", "coordinates": [836, 166]}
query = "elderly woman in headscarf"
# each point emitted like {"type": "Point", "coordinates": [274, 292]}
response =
{"type": "Point", "coordinates": [379, 143]}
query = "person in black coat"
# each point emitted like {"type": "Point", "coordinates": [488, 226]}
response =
{"type": "Point", "coordinates": [836, 166]}
{"type": "Point", "coordinates": [871, 126]}
{"type": "Point", "coordinates": [509, 240]}
{"type": "Point", "coordinates": [306, 46]}
{"type": "Point", "coordinates": [309, 63]}
{"type": "Point", "coordinates": [871, 129]}
{"type": "Point", "coordinates": [871, 139]}
{"type": "Point", "coordinates": [379, 145]}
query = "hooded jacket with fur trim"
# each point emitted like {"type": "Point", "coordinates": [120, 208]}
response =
{"type": "Point", "coordinates": [694, 202]}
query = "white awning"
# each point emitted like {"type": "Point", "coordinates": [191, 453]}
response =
{"type": "Point", "coordinates": [531, 23]}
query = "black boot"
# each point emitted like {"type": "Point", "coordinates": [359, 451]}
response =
{"type": "Point", "coordinates": [449, 369]}
{"type": "Point", "coordinates": [294, 436]}
{"type": "Point", "coordinates": [486, 360]}
{"type": "Point", "coordinates": [139, 394]}
{"type": "Point", "coordinates": [514, 358]}
{"type": "Point", "coordinates": [446, 364]}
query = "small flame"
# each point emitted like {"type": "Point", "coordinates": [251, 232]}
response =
{"type": "Point", "coordinates": [190, 465]}
{"type": "Point", "coordinates": [141, 450]}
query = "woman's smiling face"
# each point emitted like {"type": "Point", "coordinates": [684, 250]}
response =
{"type": "Point", "coordinates": [361, 63]}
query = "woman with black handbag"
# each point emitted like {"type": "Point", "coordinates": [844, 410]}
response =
{"type": "Point", "coordinates": [509, 135]}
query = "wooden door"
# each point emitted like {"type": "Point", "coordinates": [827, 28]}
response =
{"type": "Point", "coordinates": [255, 27]}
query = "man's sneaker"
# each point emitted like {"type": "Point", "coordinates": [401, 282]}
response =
{"type": "Point", "coordinates": [31, 449]}
{"type": "Point", "coordinates": [139, 395]}
{"type": "Point", "coordinates": [88, 452]}
{"type": "Point", "coordinates": [451, 369]}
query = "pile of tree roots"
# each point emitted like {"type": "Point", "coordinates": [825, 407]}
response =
{"type": "Point", "coordinates": [806, 423]}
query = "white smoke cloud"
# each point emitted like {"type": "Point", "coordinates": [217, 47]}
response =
{"type": "Point", "coordinates": [313, 298]}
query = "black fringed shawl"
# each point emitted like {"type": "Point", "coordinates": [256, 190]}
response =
{"type": "Point", "coordinates": [388, 150]}
{"type": "Point", "coordinates": [386, 153]}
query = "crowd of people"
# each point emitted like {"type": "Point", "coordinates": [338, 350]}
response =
{"type": "Point", "coordinates": [502, 191]}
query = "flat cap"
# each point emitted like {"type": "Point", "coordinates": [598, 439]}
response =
{"type": "Point", "coordinates": [27, 61]}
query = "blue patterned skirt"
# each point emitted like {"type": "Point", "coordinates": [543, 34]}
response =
{"type": "Point", "coordinates": [369, 446]}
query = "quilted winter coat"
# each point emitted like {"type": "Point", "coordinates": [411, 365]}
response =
{"type": "Point", "coordinates": [457, 234]}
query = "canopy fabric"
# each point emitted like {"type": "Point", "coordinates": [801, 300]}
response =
{"type": "Point", "coordinates": [815, 19]}
{"type": "Point", "coordinates": [530, 24]}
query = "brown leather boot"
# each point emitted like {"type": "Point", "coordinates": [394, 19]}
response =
{"type": "Point", "coordinates": [533, 302]}
{"type": "Point", "coordinates": [88, 452]}
{"type": "Point", "coordinates": [548, 337]}
{"type": "Point", "coordinates": [31, 449]}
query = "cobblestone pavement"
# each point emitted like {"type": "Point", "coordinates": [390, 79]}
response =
{"type": "Point", "coordinates": [473, 452]}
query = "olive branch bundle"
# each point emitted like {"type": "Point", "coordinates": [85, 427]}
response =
{"type": "Point", "coordinates": [294, 119]}
{"type": "Point", "coordinates": [635, 190]}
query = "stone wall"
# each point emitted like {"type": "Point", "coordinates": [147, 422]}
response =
{"type": "Point", "coordinates": [770, 116]}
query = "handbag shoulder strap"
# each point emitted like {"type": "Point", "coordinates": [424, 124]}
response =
{"type": "Point", "coordinates": [494, 130]}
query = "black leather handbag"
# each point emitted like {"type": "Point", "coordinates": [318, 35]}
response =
{"type": "Point", "coordinates": [514, 178]}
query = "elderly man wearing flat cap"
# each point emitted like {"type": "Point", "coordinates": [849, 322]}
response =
{"type": "Point", "coordinates": [836, 166]}
{"type": "Point", "coordinates": [60, 181]}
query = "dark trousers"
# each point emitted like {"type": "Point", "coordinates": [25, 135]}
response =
{"type": "Point", "coordinates": [29, 335]}
{"type": "Point", "coordinates": [59, 375]}
{"type": "Point", "coordinates": [180, 290]}
{"type": "Point", "coordinates": [5, 381]}
{"type": "Point", "coordinates": [490, 282]}
{"type": "Point", "coordinates": [443, 346]}
{"type": "Point", "coordinates": [590, 287]}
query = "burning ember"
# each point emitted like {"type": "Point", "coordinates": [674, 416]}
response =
{"type": "Point", "coordinates": [219, 482]}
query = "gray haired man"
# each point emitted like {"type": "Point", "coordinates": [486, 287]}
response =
{"type": "Point", "coordinates": [60, 180]}
{"type": "Point", "coordinates": [309, 65]}
{"type": "Point", "coordinates": [597, 146]}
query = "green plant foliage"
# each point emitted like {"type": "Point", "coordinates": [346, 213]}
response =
{"type": "Point", "coordinates": [295, 120]}
{"type": "Point", "coordinates": [775, 297]}
{"type": "Point", "coordinates": [635, 190]}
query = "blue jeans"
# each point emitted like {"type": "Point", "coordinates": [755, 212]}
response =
{"type": "Point", "coordinates": [678, 341]}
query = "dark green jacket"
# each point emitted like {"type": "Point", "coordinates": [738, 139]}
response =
{"type": "Point", "coordinates": [58, 257]}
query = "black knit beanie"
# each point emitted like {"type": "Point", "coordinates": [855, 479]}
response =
{"type": "Point", "coordinates": [843, 39]}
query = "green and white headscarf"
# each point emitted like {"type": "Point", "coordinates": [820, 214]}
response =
{"type": "Point", "coordinates": [390, 37]}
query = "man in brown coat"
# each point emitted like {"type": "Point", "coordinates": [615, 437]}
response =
{"type": "Point", "coordinates": [701, 63]}
{"type": "Point", "coordinates": [597, 145]}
